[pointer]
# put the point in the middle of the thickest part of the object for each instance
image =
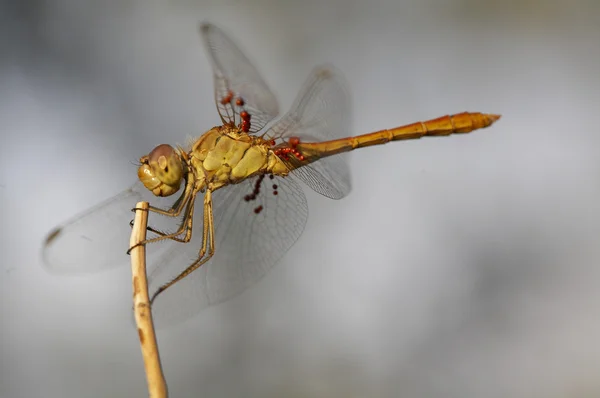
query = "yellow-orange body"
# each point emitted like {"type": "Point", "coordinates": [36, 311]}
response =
{"type": "Point", "coordinates": [225, 155]}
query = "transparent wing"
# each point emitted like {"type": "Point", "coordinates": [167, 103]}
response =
{"type": "Point", "coordinates": [236, 78]}
{"type": "Point", "coordinates": [321, 112]}
{"type": "Point", "coordinates": [247, 246]}
{"type": "Point", "coordinates": [98, 238]}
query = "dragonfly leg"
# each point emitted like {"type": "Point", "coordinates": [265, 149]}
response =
{"type": "Point", "coordinates": [186, 226]}
{"type": "Point", "coordinates": [154, 230]}
{"type": "Point", "coordinates": [174, 211]}
{"type": "Point", "coordinates": [208, 242]}
{"type": "Point", "coordinates": [148, 228]}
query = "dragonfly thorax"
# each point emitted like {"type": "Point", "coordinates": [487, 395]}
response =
{"type": "Point", "coordinates": [161, 171]}
{"type": "Point", "coordinates": [226, 155]}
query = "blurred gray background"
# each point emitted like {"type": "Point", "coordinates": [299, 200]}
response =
{"type": "Point", "coordinates": [460, 267]}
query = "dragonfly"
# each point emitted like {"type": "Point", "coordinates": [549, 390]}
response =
{"type": "Point", "coordinates": [247, 172]}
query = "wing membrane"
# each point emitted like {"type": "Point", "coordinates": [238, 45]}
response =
{"type": "Point", "coordinates": [321, 112]}
{"type": "Point", "coordinates": [235, 74]}
{"type": "Point", "coordinates": [247, 246]}
{"type": "Point", "coordinates": [98, 238]}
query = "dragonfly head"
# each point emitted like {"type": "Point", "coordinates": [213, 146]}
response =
{"type": "Point", "coordinates": [161, 171]}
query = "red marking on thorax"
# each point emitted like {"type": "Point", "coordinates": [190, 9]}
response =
{"type": "Point", "coordinates": [227, 99]}
{"type": "Point", "coordinates": [284, 153]}
{"type": "Point", "coordinates": [245, 125]}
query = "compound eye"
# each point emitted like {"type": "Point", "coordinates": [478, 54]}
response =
{"type": "Point", "coordinates": [161, 155]}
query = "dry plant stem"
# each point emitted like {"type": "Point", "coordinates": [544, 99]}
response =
{"type": "Point", "coordinates": [157, 387]}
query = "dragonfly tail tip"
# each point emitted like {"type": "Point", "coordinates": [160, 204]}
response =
{"type": "Point", "coordinates": [493, 117]}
